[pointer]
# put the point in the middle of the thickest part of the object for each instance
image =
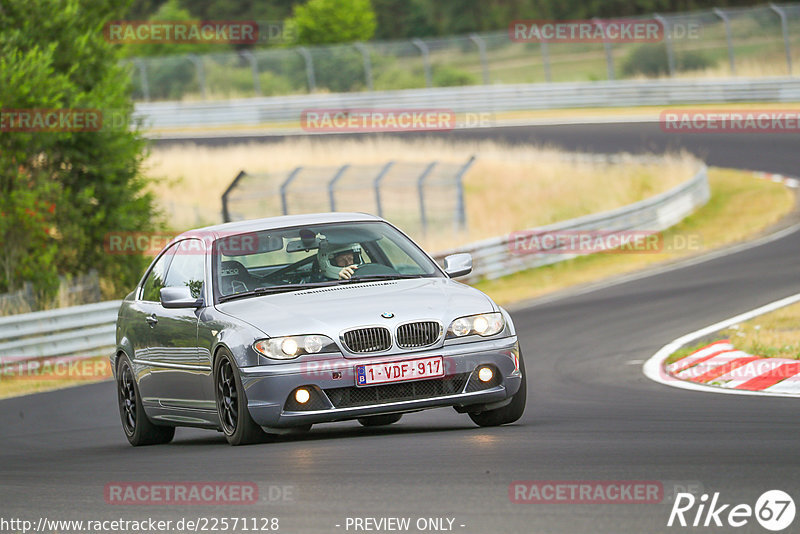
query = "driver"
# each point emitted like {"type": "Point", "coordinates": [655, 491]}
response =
{"type": "Point", "coordinates": [338, 261]}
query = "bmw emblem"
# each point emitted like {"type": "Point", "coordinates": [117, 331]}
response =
{"type": "Point", "coordinates": [387, 315]}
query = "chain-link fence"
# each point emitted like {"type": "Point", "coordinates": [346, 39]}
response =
{"type": "Point", "coordinates": [758, 41]}
{"type": "Point", "coordinates": [420, 197]}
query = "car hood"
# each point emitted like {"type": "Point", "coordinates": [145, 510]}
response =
{"type": "Point", "coordinates": [331, 310]}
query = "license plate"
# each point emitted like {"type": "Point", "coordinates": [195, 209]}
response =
{"type": "Point", "coordinates": [399, 371]}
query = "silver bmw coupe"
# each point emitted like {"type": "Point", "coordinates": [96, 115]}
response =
{"type": "Point", "coordinates": [272, 325]}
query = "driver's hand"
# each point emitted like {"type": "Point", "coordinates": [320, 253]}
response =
{"type": "Point", "coordinates": [347, 272]}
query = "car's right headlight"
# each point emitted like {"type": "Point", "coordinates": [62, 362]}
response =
{"type": "Point", "coordinates": [483, 324]}
{"type": "Point", "coordinates": [290, 347]}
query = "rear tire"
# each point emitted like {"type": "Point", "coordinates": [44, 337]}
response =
{"type": "Point", "coordinates": [234, 417]}
{"type": "Point", "coordinates": [137, 427]}
{"type": "Point", "coordinates": [380, 420]}
{"type": "Point", "coordinates": [508, 413]}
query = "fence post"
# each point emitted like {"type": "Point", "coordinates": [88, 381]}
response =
{"type": "Point", "coordinates": [285, 187]}
{"type": "Point", "coordinates": [377, 185]}
{"type": "Point", "coordinates": [421, 192]}
{"type": "Point", "coordinates": [226, 215]}
{"type": "Point", "coordinates": [481, 44]}
{"type": "Point", "coordinates": [667, 43]}
{"type": "Point", "coordinates": [426, 58]}
{"type": "Point", "coordinates": [546, 61]}
{"type": "Point", "coordinates": [367, 63]}
{"type": "Point", "coordinates": [607, 47]}
{"type": "Point", "coordinates": [201, 74]}
{"type": "Point", "coordinates": [728, 36]}
{"type": "Point", "coordinates": [254, 67]}
{"type": "Point", "coordinates": [143, 75]}
{"type": "Point", "coordinates": [312, 81]}
{"type": "Point", "coordinates": [785, 29]}
{"type": "Point", "coordinates": [461, 215]}
{"type": "Point", "coordinates": [332, 184]}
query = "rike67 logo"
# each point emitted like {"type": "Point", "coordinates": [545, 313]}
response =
{"type": "Point", "coordinates": [774, 510]}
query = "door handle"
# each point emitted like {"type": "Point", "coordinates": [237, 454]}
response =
{"type": "Point", "coordinates": [151, 319]}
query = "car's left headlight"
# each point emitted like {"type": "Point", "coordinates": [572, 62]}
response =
{"type": "Point", "coordinates": [483, 324]}
{"type": "Point", "coordinates": [290, 347]}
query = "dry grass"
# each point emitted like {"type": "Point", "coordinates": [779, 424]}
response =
{"type": "Point", "coordinates": [508, 188]}
{"type": "Point", "coordinates": [775, 335]}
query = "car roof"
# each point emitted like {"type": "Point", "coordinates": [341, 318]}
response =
{"type": "Point", "coordinates": [284, 221]}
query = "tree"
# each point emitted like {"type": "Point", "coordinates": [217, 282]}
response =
{"type": "Point", "coordinates": [63, 191]}
{"type": "Point", "coordinates": [334, 21]}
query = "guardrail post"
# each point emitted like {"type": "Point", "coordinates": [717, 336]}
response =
{"type": "Point", "coordinates": [226, 215]}
{"type": "Point", "coordinates": [728, 36]}
{"type": "Point", "coordinates": [546, 61]}
{"type": "Point", "coordinates": [377, 185]}
{"type": "Point", "coordinates": [285, 187]}
{"type": "Point", "coordinates": [421, 191]}
{"type": "Point", "coordinates": [461, 215]}
{"type": "Point", "coordinates": [254, 67]}
{"type": "Point", "coordinates": [367, 64]}
{"type": "Point", "coordinates": [312, 81]}
{"type": "Point", "coordinates": [785, 29]}
{"type": "Point", "coordinates": [607, 47]}
{"type": "Point", "coordinates": [140, 64]}
{"type": "Point", "coordinates": [667, 43]}
{"type": "Point", "coordinates": [481, 44]}
{"type": "Point", "coordinates": [426, 58]}
{"type": "Point", "coordinates": [201, 73]}
{"type": "Point", "coordinates": [332, 184]}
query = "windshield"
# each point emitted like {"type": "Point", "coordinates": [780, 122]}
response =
{"type": "Point", "coordinates": [316, 255]}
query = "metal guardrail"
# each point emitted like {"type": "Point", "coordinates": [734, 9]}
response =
{"type": "Point", "coordinates": [496, 257]}
{"type": "Point", "coordinates": [89, 330]}
{"type": "Point", "coordinates": [486, 99]}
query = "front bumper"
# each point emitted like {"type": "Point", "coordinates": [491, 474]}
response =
{"type": "Point", "coordinates": [336, 398]}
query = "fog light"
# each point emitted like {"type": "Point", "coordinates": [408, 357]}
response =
{"type": "Point", "coordinates": [485, 374]}
{"type": "Point", "coordinates": [302, 395]}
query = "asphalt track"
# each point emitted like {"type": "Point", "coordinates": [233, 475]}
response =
{"type": "Point", "coordinates": [591, 413]}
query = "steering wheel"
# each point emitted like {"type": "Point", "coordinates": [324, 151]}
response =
{"type": "Point", "coordinates": [373, 269]}
{"type": "Point", "coordinates": [285, 274]}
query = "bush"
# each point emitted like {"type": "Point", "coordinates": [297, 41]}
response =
{"type": "Point", "coordinates": [445, 76]}
{"type": "Point", "coordinates": [64, 191]}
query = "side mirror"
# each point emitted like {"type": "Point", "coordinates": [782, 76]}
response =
{"type": "Point", "coordinates": [179, 297]}
{"type": "Point", "coordinates": [458, 264]}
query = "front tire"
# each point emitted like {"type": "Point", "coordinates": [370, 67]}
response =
{"type": "Point", "coordinates": [380, 420]}
{"type": "Point", "coordinates": [137, 427]}
{"type": "Point", "coordinates": [235, 420]}
{"type": "Point", "coordinates": [508, 413]}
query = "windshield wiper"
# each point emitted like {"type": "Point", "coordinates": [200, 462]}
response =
{"type": "Point", "coordinates": [274, 289]}
{"type": "Point", "coordinates": [378, 277]}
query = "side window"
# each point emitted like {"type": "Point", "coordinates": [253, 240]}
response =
{"type": "Point", "coordinates": [155, 280]}
{"type": "Point", "coordinates": [187, 269]}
